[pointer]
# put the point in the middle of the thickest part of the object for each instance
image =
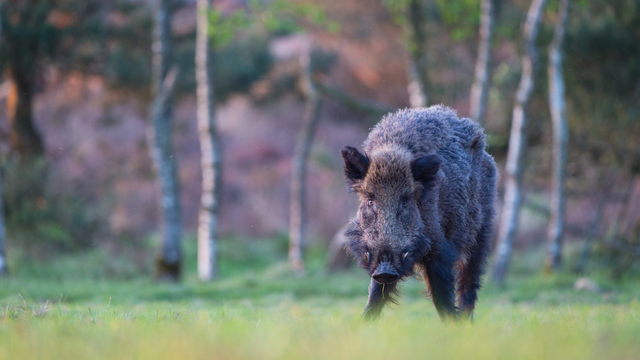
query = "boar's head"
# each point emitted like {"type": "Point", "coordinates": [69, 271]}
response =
{"type": "Point", "coordinates": [388, 234]}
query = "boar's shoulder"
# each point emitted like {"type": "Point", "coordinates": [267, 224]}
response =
{"type": "Point", "coordinates": [426, 131]}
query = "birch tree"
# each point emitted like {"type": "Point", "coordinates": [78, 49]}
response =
{"type": "Point", "coordinates": [3, 259]}
{"type": "Point", "coordinates": [410, 15]}
{"type": "Point", "coordinates": [417, 72]}
{"type": "Point", "coordinates": [210, 148]}
{"type": "Point", "coordinates": [480, 87]}
{"type": "Point", "coordinates": [558, 109]}
{"type": "Point", "coordinates": [517, 144]}
{"type": "Point", "coordinates": [310, 121]}
{"type": "Point", "coordinates": [168, 264]}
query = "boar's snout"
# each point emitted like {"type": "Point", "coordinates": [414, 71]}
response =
{"type": "Point", "coordinates": [385, 274]}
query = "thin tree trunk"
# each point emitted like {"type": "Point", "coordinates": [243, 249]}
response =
{"type": "Point", "coordinates": [560, 140]}
{"type": "Point", "coordinates": [546, 213]}
{"type": "Point", "coordinates": [625, 227]}
{"type": "Point", "coordinates": [480, 87]}
{"type": "Point", "coordinates": [3, 259]}
{"type": "Point", "coordinates": [624, 210]}
{"type": "Point", "coordinates": [418, 87]}
{"type": "Point", "coordinates": [517, 144]}
{"type": "Point", "coordinates": [210, 148]}
{"type": "Point", "coordinates": [606, 185]}
{"type": "Point", "coordinates": [362, 106]}
{"type": "Point", "coordinates": [337, 257]}
{"type": "Point", "coordinates": [168, 264]}
{"type": "Point", "coordinates": [23, 136]}
{"type": "Point", "coordinates": [297, 221]}
{"type": "Point", "coordinates": [22, 42]}
{"type": "Point", "coordinates": [632, 253]}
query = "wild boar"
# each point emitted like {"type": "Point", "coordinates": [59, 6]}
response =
{"type": "Point", "coordinates": [427, 189]}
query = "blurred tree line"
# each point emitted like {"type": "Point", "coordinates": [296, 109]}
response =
{"type": "Point", "coordinates": [113, 39]}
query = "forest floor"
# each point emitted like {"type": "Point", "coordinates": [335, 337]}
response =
{"type": "Point", "coordinates": [65, 309]}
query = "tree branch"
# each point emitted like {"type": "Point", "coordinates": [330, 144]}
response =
{"type": "Point", "coordinates": [364, 106]}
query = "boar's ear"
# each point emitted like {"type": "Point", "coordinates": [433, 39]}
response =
{"type": "Point", "coordinates": [425, 168]}
{"type": "Point", "coordinates": [356, 165]}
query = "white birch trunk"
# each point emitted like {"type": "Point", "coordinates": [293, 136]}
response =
{"type": "Point", "coordinates": [210, 148]}
{"type": "Point", "coordinates": [517, 144]}
{"type": "Point", "coordinates": [168, 264]}
{"type": "Point", "coordinates": [415, 88]}
{"type": "Point", "coordinates": [3, 259]}
{"type": "Point", "coordinates": [557, 106]}
{"type": "Point", "coordinates": [417, 67]}
{"type": "Point", "coordinates": [480, 87]}
{"type": "Point", "coordinates": [297, 220]}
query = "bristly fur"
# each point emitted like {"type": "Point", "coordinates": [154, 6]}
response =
{"type": "Point", "coordinates": [425, 170]}
{"type": "Point", "coordinates": [428, 188]}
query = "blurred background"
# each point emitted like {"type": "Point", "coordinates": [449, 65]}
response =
{"type": "Point", "coordinates": [77, 130]}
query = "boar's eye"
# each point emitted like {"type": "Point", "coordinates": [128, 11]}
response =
{"type": "Point", "coordinates": [403, 204]}
{"type": "Point", "coordinates": [371, 204]}
{"type": "Point", "coordinates": [366, 257]}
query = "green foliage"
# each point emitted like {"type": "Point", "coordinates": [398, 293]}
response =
{"type": "Point", "coordinates": [26, 36]}
{"type": "Point", "coordinates": [618, 251]}
{"type": "Point", "coordinates": [235, 66]}
{"type": "Point", "coordinates": [398, 10]}
{"type": "Point", "coordinates": [602, 71]}
{"type": "Point", "coordinates": [223, 28]}
{"type": "Point", "coordinates": [41, 221]}
{"type": "Point", "coordinates": [81, 39]}
{"type": "Point", "coordinates": [239, 64]}
{"type": "Point", "coordinates": [461, 16]}
{"type": "Point", "coordinates": [277, 17]}
{"type": "Point", "coordinates": [240, 42]}
{"type": "Point", "coordinates": [128, 53]}
{"type": "Point", "coordinates": [128, 69]}
{"type": "Point", "coordinates": [241, 46]}
{"type": "Point", "coordinates": [284, 17]}
{"type": "Point", "coordinates": [93, 44]}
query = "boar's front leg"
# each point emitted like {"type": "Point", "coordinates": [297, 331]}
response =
{"type": "Point", "coordinates": [441, 282]}
{"type": "Point", "coordinates": [379, 295]}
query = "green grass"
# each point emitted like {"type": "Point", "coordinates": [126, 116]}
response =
{"type": "Point", "coordinates": [71, 308]}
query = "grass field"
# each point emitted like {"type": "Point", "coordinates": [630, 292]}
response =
{"type": "Point", "coordinates": [72, 309]}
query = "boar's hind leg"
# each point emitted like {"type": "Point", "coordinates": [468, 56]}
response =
{"type": "Point", "coordinates": [469, 282]}
{"type": "Point", "coordinates": [469, 276]}
{"type": "Point", "coordinates": [441, 282]}
{"type": "Point", "coordinates": [379, 295]}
